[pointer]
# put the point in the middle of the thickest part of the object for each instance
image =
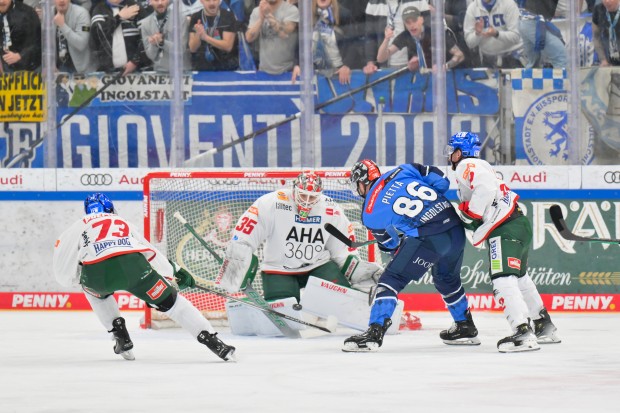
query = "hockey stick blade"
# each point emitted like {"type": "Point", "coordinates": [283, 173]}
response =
{"type": "Point", "coordinates": [558, 220]}
{"type": "Point", "coordinates": [344, 239]}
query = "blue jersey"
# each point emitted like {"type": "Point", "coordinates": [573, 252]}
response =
{"type": "Point", "coordinates": [408, 200]}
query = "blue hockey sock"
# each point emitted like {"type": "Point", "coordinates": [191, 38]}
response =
{"type": "Point", "coordinates": [382, 308]}
{"type": "Point", "coordinates": [458, 309]}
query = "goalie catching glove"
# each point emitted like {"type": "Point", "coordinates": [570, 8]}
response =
{"type": "Point", "coordinates": [362, 275]}
{"type": "Point", "coordinates": [238, 269]}
{"type": "Point", "coordinates": [182, 277]}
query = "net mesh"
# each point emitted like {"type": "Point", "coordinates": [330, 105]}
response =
{"type": "Point", "coordinates": [212, 203]}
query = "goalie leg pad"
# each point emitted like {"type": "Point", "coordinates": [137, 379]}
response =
{"type": "Point", "coordinates": [248, 321]}
{"type": "Point", "coordinates": [349, 306]}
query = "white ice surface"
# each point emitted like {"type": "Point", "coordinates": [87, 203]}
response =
{"type": "Point", "coordinates": [63, 362]}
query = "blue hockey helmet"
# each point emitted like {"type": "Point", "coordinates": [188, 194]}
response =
{"type": "Point", "coordinates": [97, 203]}
{"type": "Point", "coordinates": [468, 142]}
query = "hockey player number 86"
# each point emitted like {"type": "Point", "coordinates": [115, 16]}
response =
{"type": "Point", "coordinates": [412, 207]}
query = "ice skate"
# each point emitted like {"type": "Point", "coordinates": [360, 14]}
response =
{"type": "Point", "coordinates": [123, 343]}
{"type": "Point", "coordinates": [462, 333]}
{"type": "Point", "coordinates": [370, 340]}
{"type": "Point", "coordinates": [223, 351]}
{"type": "Point", "coordinates": [545, 329]}
{"type": "Point", "coordinates": [523, 340]}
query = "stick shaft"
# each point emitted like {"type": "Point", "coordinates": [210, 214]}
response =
{"type": "Point", "coordinates": [344, 239]}
{"type": "Point", "coordinates": [265, 310]}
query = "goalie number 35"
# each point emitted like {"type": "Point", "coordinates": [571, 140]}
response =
{"type": "Point", "coordinates": [246, 225]}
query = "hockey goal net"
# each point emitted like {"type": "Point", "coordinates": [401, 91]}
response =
{"type": "Point", "coordinates": [212, 202]}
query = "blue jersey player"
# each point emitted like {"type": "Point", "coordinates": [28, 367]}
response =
{"type": "Point", "coordinates": [408, 214]}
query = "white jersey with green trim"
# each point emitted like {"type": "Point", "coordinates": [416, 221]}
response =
{"type": "Point", "coordinates": [488, 196]}
{"type": "Point", "coordinates": [293, 245]}
{"type": "Point", "coordinates": [97, 237]}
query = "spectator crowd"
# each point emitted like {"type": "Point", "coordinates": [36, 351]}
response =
{"type": "Point", "coordinates": [226, 35]}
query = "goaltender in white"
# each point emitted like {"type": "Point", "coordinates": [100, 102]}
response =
{"type": "Point", "coordinates": [298, 254]}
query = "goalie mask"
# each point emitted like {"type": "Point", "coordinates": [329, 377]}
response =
{"type": "Point", "coordinates": [98, 202]}
{"type": "Point", "coordinates": [364, 172]}
{"type": "Point", "coordinates": [307, 190]}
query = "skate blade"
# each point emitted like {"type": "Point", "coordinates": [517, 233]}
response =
{"type": "Point", "coordinates": [127, 355]}
{"type": "Point", "coordinates": [230, 356]}
{"type": "Point", "coordinates": [470, 341]}
{"type": "Point", "coordinates": [511, 348]}
{"type": "Point", "coordinates": [548, 340]}
{"type": "Point", "coordinates": [354, 348]}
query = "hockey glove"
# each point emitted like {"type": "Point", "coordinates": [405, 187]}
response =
{"type": "Point", "coordinates": [362, 275]}
{"type": "Point", "coordinates": [184, 279]}
{"type": "Point", "coordinates": [389, 240]}
{"type": "Point", "coordinates": [470, 220]}
{"type": "Point", "coordinates": [238, 269]}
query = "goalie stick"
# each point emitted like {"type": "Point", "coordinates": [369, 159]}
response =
{"type": "Point", "coordinates": [264, 310]}
{"type": "Point", "coordinates": [344, 239]}
{"type": "Point", "coordinates": [256, 300]}
{"type": "Point", "coordinates": [560, 225]}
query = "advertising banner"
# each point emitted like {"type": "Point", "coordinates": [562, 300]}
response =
{"type": "Point", "coordinates": [22, 97]}
{"type": "Point", "coordinates": [129, 124]}
{"type": "Point", "coordinates": [540, 104]}
{"type": "Point", "coordinates": [572, 276]}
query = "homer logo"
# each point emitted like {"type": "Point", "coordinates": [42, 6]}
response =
{"type": "Point", "coordinates": [545, 132]}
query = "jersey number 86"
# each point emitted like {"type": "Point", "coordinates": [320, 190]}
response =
{"type": "Point", "coordinates": [412, 207]}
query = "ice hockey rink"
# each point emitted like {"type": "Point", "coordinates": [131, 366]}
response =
{"type": "Point", "coordinates": [63, 362]}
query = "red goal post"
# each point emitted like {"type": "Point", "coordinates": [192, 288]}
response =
{"type": "Point", "coordinates": [212, 201]}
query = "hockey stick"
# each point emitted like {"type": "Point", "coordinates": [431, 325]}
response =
{"type": "Point", "coordinates": [26, 152]}
{"type": "Point", "coordinates": [257, 300]}
{"type": "Point", "coordinates": [264, 310]}
{"type": "Point", "coordinates": [297, 115]}
{"type": "Point", "coordinates": [560, 225]}
{"type": "Point", "coordinates": [344, 239]}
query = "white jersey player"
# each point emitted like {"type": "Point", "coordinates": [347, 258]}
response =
{"type": "Point", "coordinates": [290, 222]}
{"type": "Point", "coordinates": [489, 208]}
{"type": "Point", "coordinates": [103, 253]}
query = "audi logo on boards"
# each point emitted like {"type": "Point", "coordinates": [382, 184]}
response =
{"type": "Point", "coordinates": [96, 179]}
{"type": "Point", "coordinates": [612, 177]}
